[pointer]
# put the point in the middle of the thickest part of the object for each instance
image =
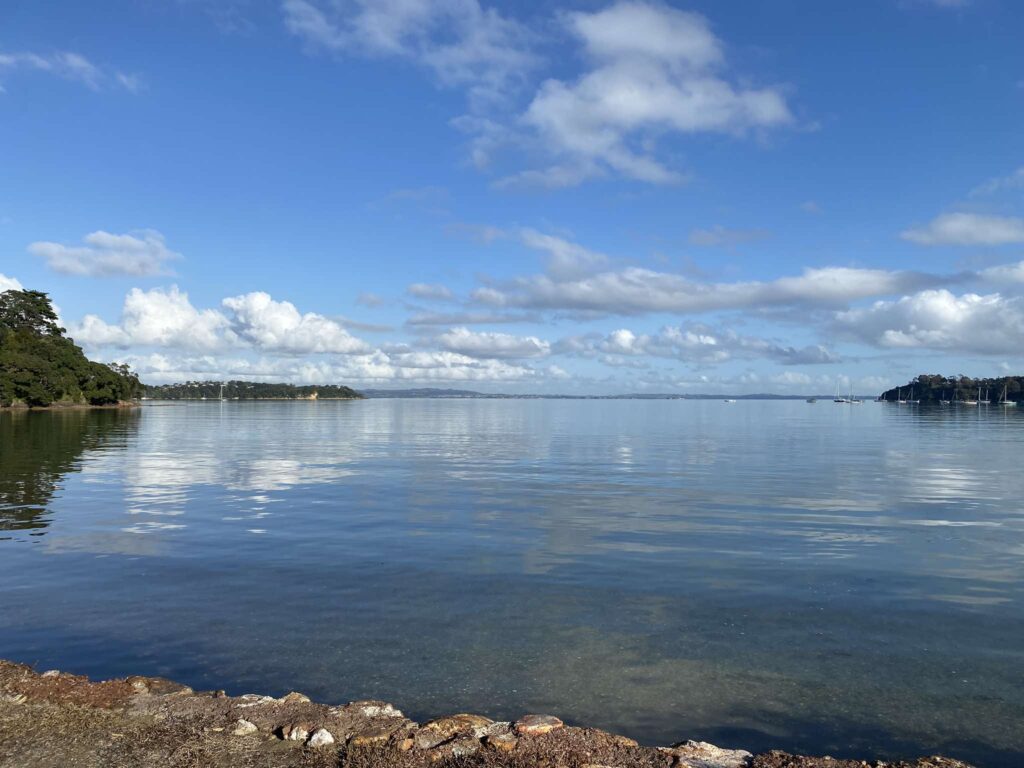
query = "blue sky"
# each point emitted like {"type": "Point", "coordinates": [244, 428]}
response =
{"type": "Point", "coordinates": [522, 197]}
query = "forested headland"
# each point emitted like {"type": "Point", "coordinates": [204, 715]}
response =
{"type": "Point", "coordinates": [247, 390]}
{"type": "Point", "coordinates": [40, 366]}
{"type": "Point", "coordinates": [929, 388]}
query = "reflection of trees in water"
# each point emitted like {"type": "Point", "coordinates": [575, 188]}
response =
{"type": "Point", "coordinates": [38, 449]}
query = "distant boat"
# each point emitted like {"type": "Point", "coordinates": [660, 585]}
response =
{"type": "Point", "coordinates": [1005, 402]}
{"type": "Point", "coordinates": [974, 402]}
{"type": "Point", "coordinates": [899, 398]}
{"type": "Point", "coordinates": [812, 399]}
{"type": "Point", "coordinates": [986, 401]}
{"type": "Point", "coordinates": [853, 400]}
{"type": "Point", "coordinates": [729, 400]}
{"type": "Point", "coordinates": [838, 399]}
{"type": "Point", "coordinates": [912, 401]}
{"type": "Point", "coordinates": [944, 401]}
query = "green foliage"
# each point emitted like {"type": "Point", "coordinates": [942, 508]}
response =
{"type": "Point", "coordinates": [40, 366]}
{"type": "Point", "coordinates": [932, 388]}
{"type": "Point", "coordinates": [248, 390]}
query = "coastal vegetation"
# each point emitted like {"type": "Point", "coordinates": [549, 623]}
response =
{"type": "Point", "coordinates": [933, 388]}
{"type": "Point", "coordinates": [247, 390]}
{"type": "Point", "coordinates": [40, 366]}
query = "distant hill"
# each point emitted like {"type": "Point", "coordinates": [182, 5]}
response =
{"type": "Point", "coordinates": [931, 388]}
{"type": "Point", "coordinates": [40, 366]}
{"type": "Point", "coordinates": [247, 390]}
{"type": "Point", "coordinates": [431, 392]}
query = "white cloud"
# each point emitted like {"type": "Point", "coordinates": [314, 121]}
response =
{"type": "Point", "coordinates": [654, 70]}
{"type": "Point", "coordinates": [810, 206]}
{"type": "Point", "coordinates": [968, 229]}
{"type": "Point", "coordinates": [940, 320]}
{"type": "Point", "coordinates": [278, 326]}
{"type": "Point", "coordinates": [9, 284]}
{"type": "Point", "coordinates": [461, 42]}
{"type": "Point", "coordinates": [637, 290]}
{"type": "Point", "coordinates": [719, 236]}
{"type": "Point", "coordinates": [566, 259]}
{"type": "Point", "coordinates": [160, 318]}
{"type": "Point", "coordinates": [1003, 274]}
{"type": "Point", "coordinates": [694, 344]}
{"type": "Point", "coordinates": [429, 292]}
{"type": "Point", "coordinates": [104, 254]}
{"type": "Point", "coordinates": [69, 66]}
{"type": "Point", "coordinates": [493, 345]}
{"type": "Point", "coordinates": [1014, 180]}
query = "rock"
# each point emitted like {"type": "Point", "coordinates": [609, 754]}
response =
{"type": "Point", "coordinates": [374, 709]}
{"type": "Point", "coordinates": [294, 698]}
{"type": "Point", "coordinates": [157, 686]}
{"type": "Point", "coordinates": [243, 728]}
{"type": "Point", "coordinates": [369, 738]}
{"type": "Point", "coordinates": [446, 728]}
{"type": "Point", "coordinates": [254, 700]}
{"type": "Point", "coordinates": [463, 747]}
{"type": "Point", "coordinates": [295, 732]}
{"type": "Point", "coordinates": [14, 698]}
{"type": "Point", "coordinates": [700, 754]}
{"type": "Point", "coordinates": [535, 725]}
{"type": "Point", "coordinates": [502, 742]}
{"type": "Point", "coordinates": [321, 738]}
{"type": "Point", "coordinates": [406, 744]}
{"type": "Point", "coordinates": [51, 673]}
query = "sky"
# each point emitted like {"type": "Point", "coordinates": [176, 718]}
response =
{"type": "Point", "coordinates": [524, 197]}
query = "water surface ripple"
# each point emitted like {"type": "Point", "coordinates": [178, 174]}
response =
{"type": "Point", "coordinates": [832, 579]}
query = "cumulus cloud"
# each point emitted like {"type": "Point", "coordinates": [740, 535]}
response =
{"type": "Point", "coordinates": [104, 254]}
{"type": "Point", "coordinates": [493, 345]}
{"type": "Point", "coordinates": [968, 229]}
{"type": "Point", "coordinates": [461, 42]}
{"type": "Point", "coordinates": [67, 65]}
{"type": "Point", "coordinates": [565, 259]}
{"type": "Point", "coordinates": [653, 70]}
{"type": "Point", "coordinates": [940, 320]}
{"type": "Point", "coordinates": [279, 327]}
{"type": "Point", "coordinates": [429, 292]}
{"type": "Point", "coordinates": [9, 284]}
{"type": "Point", "coordinates": [166, 318]}
{"type": "Point", "coordinates": [694, 344]}
{"type": "Point", "coordinates": [160, 318]}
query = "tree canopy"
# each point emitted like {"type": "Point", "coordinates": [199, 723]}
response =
{"type": "Point", "coordinates": [40, 366]}
{"type": "Point", "coordinates": [934, 388]}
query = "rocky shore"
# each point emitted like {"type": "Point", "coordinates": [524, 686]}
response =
{"type": "Point", "coordinates": [55, 718]}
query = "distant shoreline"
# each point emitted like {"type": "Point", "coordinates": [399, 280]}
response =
{"type": "Point", "coordinates": [21, 407]}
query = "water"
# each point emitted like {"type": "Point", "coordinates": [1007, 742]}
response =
{"type": "Point", "coordinates": [822, 578]}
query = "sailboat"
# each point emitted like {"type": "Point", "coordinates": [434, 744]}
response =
{"type": "Point", "coordinates": [222, 392]}
{"type": "Point", "coordinates": [986, 401]}
{"type": "Point", "coordinates": [899, 398]}
{"type": "Point", "coordinates": [912, 401]}
{"type": "Point", "coordinates": [853, 400]}
{"type": "Point", "coordinates": [1005, 402]}
{"type": "Point", "coordinates": [944, 400]}
{"type": "Point", "coordinates": [838, 399]}
{"type": "Point", "coordinates": [974, 402]}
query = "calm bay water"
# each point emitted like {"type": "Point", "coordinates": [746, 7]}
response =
{"type": "Point", "coordinates": [823, 578]}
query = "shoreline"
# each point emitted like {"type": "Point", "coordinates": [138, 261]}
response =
{"type": "Point", "coordinates": [59, 718]}
{"type": "Point", "coordinates": [21, 407]}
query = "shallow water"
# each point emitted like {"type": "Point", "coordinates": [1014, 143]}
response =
{"type": "Point", "coordinates": [822, 578]}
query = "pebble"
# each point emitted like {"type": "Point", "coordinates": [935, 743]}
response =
{"type": "Point", "coordinates": [535, 725]}
{"type": "Point", "coordinates": [243, 728]}
{"type": "Point", "coordinates": [321, 738]}
{"type": "Point", "coordinates": [446, 728]}
{"type": "Point", "coordinates": [504, 742]}
{"type": "Point", "coordinates": [297, 732]}
{"type": "Point", "coordinates": [700, 754]}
